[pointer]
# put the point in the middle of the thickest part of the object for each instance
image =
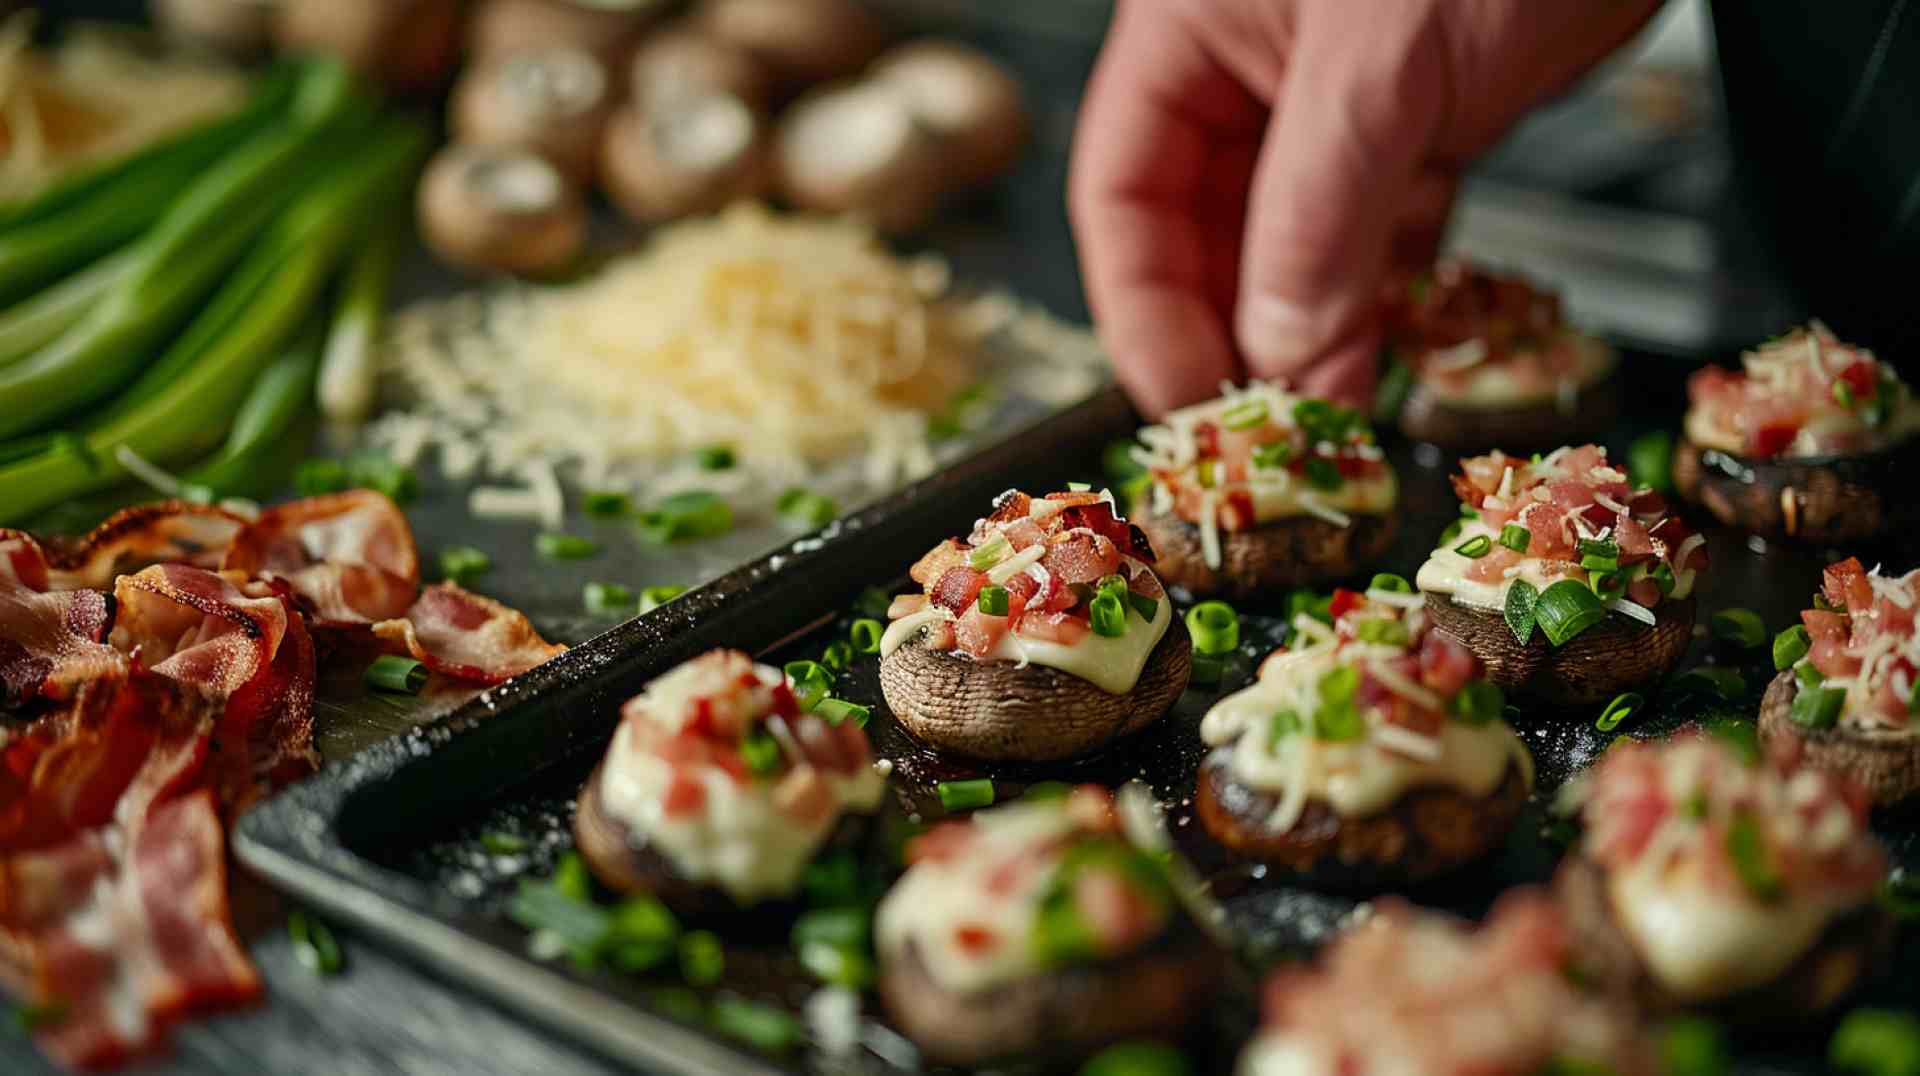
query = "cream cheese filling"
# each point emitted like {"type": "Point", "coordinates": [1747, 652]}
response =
{"type": "Point", "coordinates": [1494, 386]}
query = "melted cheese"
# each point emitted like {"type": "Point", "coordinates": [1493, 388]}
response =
{"type": "Point", "coordinates": [1702, 943]}
{"type": "Point", "coordinates": [1445, 572]}
{"type": "Point", "coordinates": [936, 897]}
{"type": "Point", "coordinates": [1275, 1053]}
{"type": "Point", "coordinates": [1356, 778]}
{"type": "Point", "coordinates": [741, 842]}
{"type": "Point", "coordinates": [1111, 664]}
{"type": "Point", "coordinates": [1495, 387]}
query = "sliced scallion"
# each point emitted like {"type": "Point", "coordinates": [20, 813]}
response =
{"type": "Point", "coordinates": [1740, 626]}
{"type": "Point", "coordinates": [687, 515]}
{"type": "Point", "coordinates": [761, 753]}
{"type": "Point", "coordinates": [994, 601]}
{"type": "Point", "coordinates": [1208, 668]}
{"type": "Point", "coordinates": [838, 655]}
{"type": "Point", "coordinates": [1747, 848]}
{"type": "Point", "coordinates": [702, 960]}
{"type": "Point", "coordinates": [1273, 457]}
{"type": "Point", "coordinates": [1207, 473]}
{"type": "Point", "coordinates": [866, 634]}
{"type": "Point", "coordinates": [989, 553]}
{"type": "Point", "coordinates": [1522, 609]}
{"type": "Point", "coordinates": [1817, 707]}
{"type": "Point", "coordinates": [1283, 724]}
{"type": "Point", "coordinates": [463, 564]}
{"type": "Point", "coordinates": [1338, 723]}
{"type": "Point", "coordinates": [1479, 702]}
{"type": "Point", "coordinates": [1148, 608]}
{"type": "Point", "coordinates": [1244, 415]}
{"type": "Point", "coordinates": [809, 681]}
{"type": "Point", "coordinates": [1607, 585]}
{"type": "Point", "coordinates": [838, 711]}
{"type": "Point", "coordinates": [606, 504]}
{"type": "Point", "coordinates": [654, 597]}
{"type": "Point", "coordinates": [1475, 547]}
{"type": "Point", "coordinates": [762, 1027]}
{"type": "Point", "coordinates": [1650, 461]}
{"type": "Point", "coordinates": [390, 672]}
{"type": "Point", "coordinates": [965, 795]}
{"type": "Point", "coordinates": [314, 945]}
{"type": "Point", "coordinates": [1622, 707]}
{"type": "Point", "coordinates": [1108, 615]}
{"type": "Point", "coordinates": [1515, 537]}
{"type": "Point", "coordinates": [1323, 474]}
{"type": "Point", "coordinates": [1877, 1042]}
{"type": "Point", "coordinates": [1790, 646]}
{"type": "Point", "coordinates": [808, 509]}
{"type": "Point", "coordinates": [1390, 583]}
{"type": "Point", "coordinates": [1383, 630]}
{"type": "Point", "coordinates": [1138, 1059]}
{"type": "Point", "coordinates": [1215, 628]}
{"type": "Point", "coordinates": [873, 602]}
{"type": "Point", "coordinates": [716, 458]}
{"type": "Point", "coordinates": [608, 599]}
{"type": "Point", "coordinates": [1566, 609]}
{"type": "Point", "coordinates": [565, 546]}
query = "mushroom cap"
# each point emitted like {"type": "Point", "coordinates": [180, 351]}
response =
{"type": "Point", "coordinates": [1430, 831]}
{"type": "Point", "coordinates": [605, 29]}
{"type": "Point", "coordinates": [1060, 1013]}
{"type": "Point", "coordinates": [495, 208]}
{"type": "Point", "coordinates": [971, 103]}
{"type": "Point", "coordinates": [237, 27]}
{"type": "Point", "coordinates": [692, 155]}
{"type": "Point", "coordinates": [1830, 500]}
{"type": "Point", "coordinates": [680, 61]}
{"type": "Point", "coordinates": [1591, 414]}
{"type": "Point", "coordinates": [858, 148]}
{"type": "Point", "coordinates": [1852, 945]}
{"type": "Point", "coordinates": [997, 711]}
{"type": "Point", "coordinates": [553, 101]}
{"type": "Point", "coordinates": [409, 45]}
{"type": "Point", "coordinates": [802, 41]}
{"type": "Point", "coordinates": [1594, 666]}
{"type": "Point", "coordinates": [1885, 763]}
{"type": "Point", "coordinates": [1303, 551]}
{"type": "Point", "coordinates": [625, 865]}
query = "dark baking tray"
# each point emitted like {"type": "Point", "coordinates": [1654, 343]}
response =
{"type": "Point", "coordinates": [392, 838]}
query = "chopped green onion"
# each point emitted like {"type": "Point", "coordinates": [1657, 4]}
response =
{"type": "Point", "coordinates": [1817, 707]}
{"type": "Point", "coordinates": [1339, 684]}
{"type": "Point", "coordinates": [1208, 668]}
{"type": "Point", "coordinates": [1621, 708]}
{"type": "Point", "coordinates": [1747, 847]}
{"type": "Point", "coordinates": [994, 601]}
{"type": "Point", "coordinates": [837, 711]}
{"type": "Point", "coordinates": [1390, 583]}
{"type": "Point", "coordinates": [1283, 724]}
{"type": "Point", "coordinates": [607, 504]}
{"type": "Point", "coordinates": [1148, 608]}
{"type": "Point", "coordinates": [316, 477]}
{"type": "Point", "coordinates": [390, 672]}
{"type": "Point", "coordinates": [1115, 585]}
{"type": "Point", "coordinates": [1207, 473]}
{"type": "Point", "coordinates": [1842, 393]}
{"type": "Point", "coordinates": [1273, 457]}
{"type": "Point", "coordinates": [716, 458]}
{"type": "Point", "coordinates": [762, 1027]}
{"type": "Point", "coordinates": [1662, 575]}
{"type": "Point", "coordinates": [687, 515]}
{"type": "Point", "coordinates": [1809, 676]}
{"type": "Point", "coordinates": [1741, 626]}
{"type": "Point", "coordinates": [837, 965]}
{"type": "Point", "coordinates": [1594, 563]}
{"type": "Point", "coordinates": [654, 597]}
{"type": "Point", "coordinates": [702, 960]}
{"type": "Point", "coordinates": [1566, 609]}
{"type": "Point", "coordinates": [1650, 461]}
{"type": "Point", "coordinates": [1479, 702]}
{"type": "Point", "coordinates": [463, 564]}
{"type": "Point", "coordinates": [376, 472]}
{"type": "Point", "coordinates": [1338, 722]}
{"type": "Point", "coordinates": [1323, 474]}
{"type": "Point", "coordinates": [866, 634]}
{"type": "Point", "coordinates": [1382, 630]}
{"type": "Point", "coordinates": [1475, 547]}
{"type": "Point", "coordinates": [1079, 487]}
{"type": "Point", "coordinates": [1108, 615]}
{"type": "Point", "coordinates": [1244, 415]}
{"type": "Point", "coordinates": [1391, 395]}
{"type": "Point", "coordinates": [832, 880]}
{"type": "Point", "coordinates": [846, 927]}
{"type": "Point", "coordinates": [810, 682]}
{"type": "Point", "coordinates": [1522, 609]}
{"type": "Point", "coordinates": [1790, 646]}
{"type": "Point", "coordinates": [1692, 1046]}
{"type": "Point", "coordinates": [608, 599]}
{"type": "Point", "coordinates": [503, 844]}
{"type": "Point", "coordinates": [1118, 462]}
{"type": "Point", "coordinates": [314, 945]}
{"type": "Point", "coordinates": [1600, 547]}
{"type": "Point", "coordinates": [990, 553]}
{"type": "Point", "coordinates": [968, 409]}
{"type": "Point", "coordinates": [1138, 1059]}
{"type": "Point", "coordinates": [571, 877]}
{"type": "Point", "coordinates": [809, 509]}
{"type": "Point", "coordinates": [1215, 628]}
{"type": "Point", "coordinates": [1317, 606]}
{"type": "Point", "coordinates": [1515, 537]}
{"type": "Point", "coordinates": [873, 602]}
{"type": "Point", "coordinates": [761, 753]}
{"type": "Point", "coordinates": [1723, 683]}
{"type": "Point", "coordinates": [1607, 585]}
{"type": "Point", "coordinates": [838, 656]}
{"type": "Point", "coordinates": [565, 547]}
{"type": "Point", "coordinates": [1879, 1042]}
{"type": "Point", "coordinates": [964, 795]}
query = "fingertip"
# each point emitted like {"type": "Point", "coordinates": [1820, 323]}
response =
{"type": "Point", "coordinates": [1348, 375]}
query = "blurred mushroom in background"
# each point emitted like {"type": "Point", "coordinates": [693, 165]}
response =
{"type": "Point", "coordinates": [679, 60]}
{"type": "Point", "coordinates": [234, 27]}
{"type": "Point", "coordinates": [858, 148]}
{"type": "Point", "coordinates": [972, 104]}
{"type": "Point", "coordinates": [409, 45]}
{"type": "Point", "coordinates": [683, 155]}
{"type": "Point", "coordinates": [802, 41]}
{"type": "Point", "coordinates": [552, 100]}
{"type": "Point", "coordinates": [499, 208]}
{"type": "Point", "coordinates": [606, 28]}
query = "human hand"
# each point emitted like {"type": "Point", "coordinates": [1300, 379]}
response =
{"type": "Point", "coordinates": [1248, 172]}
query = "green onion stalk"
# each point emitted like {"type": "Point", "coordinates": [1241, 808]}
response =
{"type": "Point", "coordinates": [183, 403]}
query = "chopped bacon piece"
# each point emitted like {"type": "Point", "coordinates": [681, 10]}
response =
{"type": "Point", "coordinates": [1445, 665]}
{"type": "Point", "coordinates": [166, 532]}
{"type": "Point", "coordinates": [1846, 586]}
{"type": "Point", "coordinates": [350, 557]}
{"type": "Point", "coordinates": [130, 941]}
{"type": "Point", "coordinates": [1078, 557]}
{"type": "Point", "coordinates": [1116, 914]}
{"type": "Point", "coordinates": [958, 588]}
{"type": "Point", "coordinates": [1344, 601]}
{"type": "Point", "coordinates": [928, 569]}
{"type": "Point", "coordinates": [972, 938]}
{"type": "Point", "coordinates": [458, 633]}
{"type": "Point", "coordinates": [978, 634]}
{"type": "Point", "coordinates": [1010, 506]}
{"type": "Point", "coordinates": [49, 642]}
{"type": "Point", "coordinates": [1066, 629]}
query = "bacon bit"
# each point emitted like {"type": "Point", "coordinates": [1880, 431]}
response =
{"type": "Point", "coordinates": [350, 557]}
{"type": "Point", "coordinates": [978, 634]}
{"type": "Point", "coordinates": [1771, 439]}
{"type": "Point", "coordinates": [458, 633]}
{"type": "Point", "coordinates": [1065, 629]}
{"type": "Point", "coordinates": [958, 588]}
{"type": "Point", "coordinates": [1846, 586]}
{"type": "Point", "coordinates": [1344, 601]}
{"type": "Point", "coordinates": [685, 796]}
{"type": "Point", "coordinates": [974, 939]}
{"type": "Point", "coordinates": [928, 569]}
{"type": "Point", "coordinates": [941, 844]}
{"type": "Point", "coordinates": [1236, 511]}
{"type": "Point", "coordinates": [1010, 506]}
{"type": "Point", "coordinates": [1023, 533]}
{"type": "Point", "coordinates": [1119, 918]}
{"type": "Point", "coordinates": [1078, 557]}
{"type": "Point", "coordinates": [1206, 439]}
{"type": "Point", "coordinates": [165, 532]}
{"type": "Point", "coordinates": [1445, 665]}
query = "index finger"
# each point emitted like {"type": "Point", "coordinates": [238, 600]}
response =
{"type": "Point", "coordinates": [1159, 111]}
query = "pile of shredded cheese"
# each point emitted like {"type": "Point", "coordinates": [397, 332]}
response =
{"type": "Point", "coordinates": [799, 341]}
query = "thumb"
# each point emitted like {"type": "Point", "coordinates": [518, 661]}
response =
{"type": "Point", "coordinates": [1357, 113]}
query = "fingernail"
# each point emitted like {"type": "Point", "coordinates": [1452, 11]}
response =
{"type": "Point", "coordinates": [1276, 332]}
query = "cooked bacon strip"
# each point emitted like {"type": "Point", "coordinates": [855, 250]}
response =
{"type": "Point", "coordinates": [461, 634]}
{"type": "Point", "coordinates": [121, 747]}
{"type": "Point", "coordinates": [350, 557]}
{"type": "Point", "coordinates": [242, 644]}
{"type": "Point", "coordinates": [165, 532]}
{"type": "Point", "coordinates": [128, 929]}
{"type": "Point", "coordinates": [49, 642]}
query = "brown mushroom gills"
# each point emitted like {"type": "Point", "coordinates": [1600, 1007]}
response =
{"type": "Point", "coordinates": [1838, 960]}
{"type": "Point", "coordinates": [1592, 667]}
{"type": "Point", "coordinates": [1428, 832]}
{"type": "Point", "coordinates": [1885, 762]}
{"type": "Point", "coordinates": [1835, 500]}
{"type": "Point", "coordinates": [1269, 558]}
{"type": "Point", "coordinates": [997, 711]}
{"type": "Point", "coordinates": [1057, 1014]}
{"type": "Point", "coordinates": [1427, 417]}
{"type": "Point", "coordinates": [681, 157]}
